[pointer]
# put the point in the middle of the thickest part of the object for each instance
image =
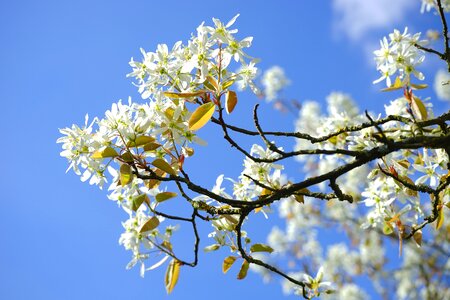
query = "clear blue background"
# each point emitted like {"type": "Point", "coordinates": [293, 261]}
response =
{"type": "Point", "coordinates": [62, 59]}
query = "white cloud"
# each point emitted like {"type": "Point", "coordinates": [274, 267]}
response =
{"type": "Point", "coordinates": [355, 18]}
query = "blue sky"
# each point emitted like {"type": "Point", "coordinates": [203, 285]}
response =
{"type": "Point", "coordinates": [62, 59]}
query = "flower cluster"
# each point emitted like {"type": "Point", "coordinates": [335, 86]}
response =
{"type": "Point", "coordinates": [126, 137]}
{"type": "Point", "coordinates": [399, 56]}
{"type": "Point", "coordinates": [154, 138]}
{"type": "Point", "coordinates": [185, 68]}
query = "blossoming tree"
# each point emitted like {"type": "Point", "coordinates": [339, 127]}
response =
{"type": "Point", "coordinates": [375, 180]}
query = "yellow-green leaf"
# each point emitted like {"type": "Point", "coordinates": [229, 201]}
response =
{"type": "Point", "coordinates": [107, 152]}
{"type": "Point", "coordinates": [387, 228]}
{"type": "Point", "coordinates": [140, 141]}
{"type": "Point", "coordinates": [333, 140]}
{"type": "Point", "coordinates": [227, 263]}
{"type": "Point", "coordinates": [404, 163]}
{"type": "Point", "coordinates": [300, 198]}
{"type": "Point", "coordinates": [444, 178]}
{"type": "Point", "coordinates": [261, 248]}
{"type": "Point", "coordinates": [150, 224]}
{"type": "Point", "coordinates": [127, 156]}
{"type": "Point", "coordinates": [211, 248]}
{"type": "Point", "coordinates": [265, 192]}
{"type": "Point", "coordinates": [231, 219]}
{"type": "Point", "coordinates": [172, 274]}
{"type": "Point", "coordinates": [230, 101]}
{"type": "Point", "coordinates": [418, 237]}
{"type": "Point", "coordinates": [407, 190]}
{"type": "Point", "coordinates": [243, 271]}
{"type": "Point", "coordinates": [125, 174]}
{"type": "Point", "coordinates": [184, 95]}
{"type": "Point", "coordinates": [151, 146]}
{"type": "Point", "coordinates": [440, 218]}
{"type": "Point", "coordinates": [161, 197]}
{"type": "Point", "coordinates": [153, 183]}
{"type": "Point", "coordinates": [419, 86]}
{"type": "Point", "coordinates": [419, 109]}
{"type": "Point", "coordinates": [138, 200]}
{"type": "Point", "coordinates": [258, 209]}
{"type": "Point", "coordinates": [167, 245]}
{"type": "Point", "coordinates": [396, 86]}
{"type": "Point", "coordinates": [211, 84]}
{"type": "Point", "coordinates": [227, 84]}
{"type": "Point", "coordinates": [164, 166]}
{"type": "Point", "coordinates": [169, 113]}
{"type": "Point", "coordinates": [201, 116]}
{"type": "Point", "coordinates": [188, 150]}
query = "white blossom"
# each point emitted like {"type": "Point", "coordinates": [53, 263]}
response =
{"type": "Point", "coordinates": [400, 57]}
{"type": "Point", "coordinates": [273, 81]}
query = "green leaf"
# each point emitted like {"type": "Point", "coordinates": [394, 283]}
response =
{"type": "Point", "coordinates": [419, 86]}
{"type": "Point", "coordinates": [419, 109]}
{"type": "Point", "coordinates": [125, 174]}
{"type": "Point", "coordinates": [227, 263]}
{"type": "Point", "coordinates": [107, 152]}
{"type": "Point", "coordinates": [440, 218]}
{"type": "Point", "coordinates": [261, 248]}
{"type": "Point", "coordinates": [164, 166]}
{"type": "Point", "coordinates": [230, 101]}
{"type": "Point", "coordinates": [161, 197]}
{"type": "Point", "coordinates": [243, 271]}
{"type": "Point", "coordinates": [201, 116]}
{"type": "Point", "coordinates": [172, 274]}
{"type": "Point", "coordinates": [211, 248]}
{"type": "Point", "coordinates": [137, 201]}
{"type": "Point", "coordinates": [151, 224]}
{"type": "Point", "coordinates": [396, 86]}
{"type": "Point", "coordinates": [140, 141]}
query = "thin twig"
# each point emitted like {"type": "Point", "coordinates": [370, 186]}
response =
{"type": "Point", "coordinates": [258, 262]}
